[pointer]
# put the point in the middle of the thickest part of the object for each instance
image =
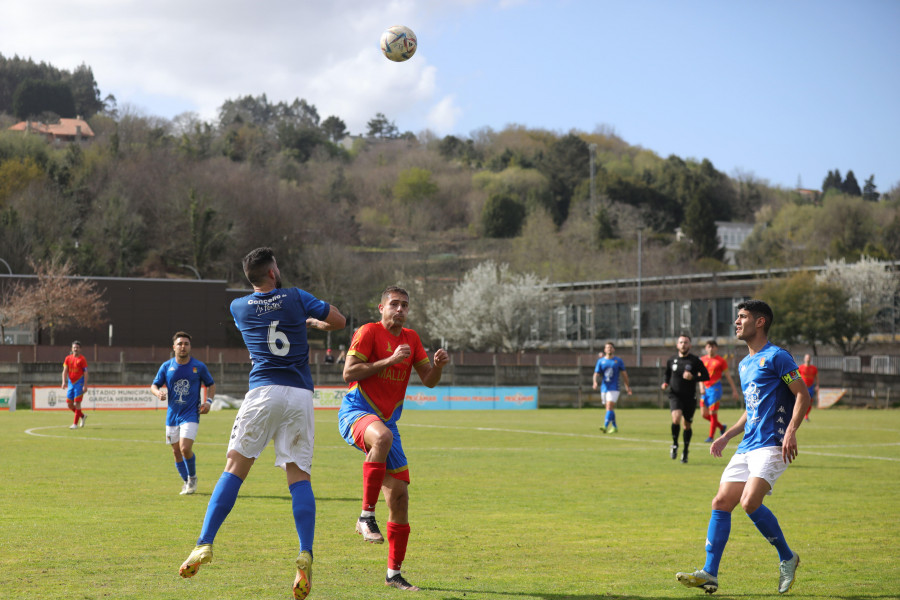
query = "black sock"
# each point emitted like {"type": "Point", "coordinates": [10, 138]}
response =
{"type": "Point", "coordinates": [675, 429]}
{"type": "Point", "coordinates": [687, 438]}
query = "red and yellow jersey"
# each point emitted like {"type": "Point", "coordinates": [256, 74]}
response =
{"type": "Point", "coordinates": [716, 365]}
{"type": "Point", "coordinates": [76, 365]}
{"type": "Point", "coordinates": [385, 391]}
{"type": "Point", "coordinates": [808, 373]}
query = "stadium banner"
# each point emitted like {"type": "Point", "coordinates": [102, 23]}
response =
{"type": "Point", "coordinates": [419, 397]}
{"type": "Point", "coordinates": [8, 398]}
{"type": "Point", "coordinates": [99, 397]}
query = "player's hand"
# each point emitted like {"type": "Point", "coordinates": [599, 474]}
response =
{"type": "Point", "coordinates": [401, 353]}
{"type": "Point", "coordinates": [628, 389]}
{"type": "Point", "coordinates": [718, 446]}
{"type": "Point", "coordinates": [595, 385]}
{"type": "Point", "coordinates": [664, 386]}
{"type": "Point", "coordinates": [789, 447]}
{"type": "Point", "coordinates": [204, 407]}
{"type": "Point", "coordinates": [687, 375]}
{"type": "Point", "coordinates": [441, 357]}
{"type": "Point", "coordinates": [163, 395]}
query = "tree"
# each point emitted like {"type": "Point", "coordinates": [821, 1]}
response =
{"type": "Point", "coordinates": [700, 226]}
{"type": "Point", "coordinates": [870, 285]}
{"type": "Point", "coordinates": [870, 192]}
{"type": "Point", "coordinates": [414, 186]}
{"type": "Point", "coordinates": [492, 308]}
{"type": "Point", "coordinates": [566, 164]}
{"type": "Point", "coordinates": [832, 180]}
{"type": "Point", "coordinates": [502, 216]}
{"type": "Point", "coordinates": [334, 129]}
{"type": "Point", "coordinates": [850, 185]}
{"type": "Point", "coordinates": [34, 97]}
{"type": "Point", "coordinates": [57, 300]}
{"type": "Point", "coordinates": [381, 127]}
{"type": "Point", "coordinates": [814, 313]}
{"type": "Point", "coordinates": [85, 92]}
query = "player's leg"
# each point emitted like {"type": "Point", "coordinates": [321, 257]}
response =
{"type": "Point", "coordinates": [611, 398]}
{"type": "Point", "coordinates": [173, 439]}
{"type": "Point", "coordinates": [254, 426]}
{"type": "Point", "coordinates": [726, 499]}
{"type": "Point", "coordinates": [376, 438]}
{"type": "Point", "coordinates": [687, 416]}
{"type": "Point", "coordinates": [676, 425]}
{"type": "Point", "coordinates": [396, 496]}
{"type": "Point", "coordinates": [766, 466]}
{"type": "Point", "coordinates": [187, 435]}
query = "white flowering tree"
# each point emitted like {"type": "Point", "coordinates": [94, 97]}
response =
{"type": "Point", "coordinates": [492, 307]}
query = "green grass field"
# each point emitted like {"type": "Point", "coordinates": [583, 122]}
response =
{"type": "Point", "coordinates": [515, 504]}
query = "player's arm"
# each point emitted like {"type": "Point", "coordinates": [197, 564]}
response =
{"type": "Point", "coordinates": [801, 405]}
{"type": "Point", "coordinates": [65, 374]}
{"type": "Point", "coordinates": [356, 369]}
{"type": "Point", "coordinates": [334, 321]}
{"type": "Point", "coordinates": [734, 392]}
{"type": "Point", "coordinates": [719, 444]}
{"type": "Point", "coordinates": [596, 383]}
{"type": "Point", "coordinates": [430, 372]}
{"type": "Point", "coordinates": [159, 392]}
{"type": "Point", "coordinates": [627, 383]}
{"type": "Point", "coordinates": [210, 394]}
{"type": "Point", "coordinates": [702, 371]}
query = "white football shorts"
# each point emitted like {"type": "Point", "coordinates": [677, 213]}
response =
{"type": "Point", "coordinates": [279, 413]}
{"type": "Point", "coordinates": [765, 463]}
{"type": "Point", "coordinates": [612, 396]}
{"type": "Point", "coordinates": [185, 430]}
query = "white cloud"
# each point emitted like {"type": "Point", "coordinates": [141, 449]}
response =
{"type": "Point", "coordinates": [444, 115]}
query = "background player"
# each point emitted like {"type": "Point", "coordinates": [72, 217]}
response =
{"type": "Point", "coordinates": [74, 381]}
{"type": "Point", "coordinates": [776, 400]}
{"type": "Point", "coordinates": [182, 376]}
{"type": "Point", "coordinates": [711, 391]}
{"type": "Point", "coordinates": [810, 374]}
{"type": "Point", "coordinates": [379, 363]}
{"type": "Point", "coordinates": [277, 407]}
{"type": "Point", "coordinates": [608, 368]}
{"type": "Point", "coordinates": [683, 371]}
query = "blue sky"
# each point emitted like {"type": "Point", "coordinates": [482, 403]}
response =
{"type": "Point", "coordinates": [784, 90]}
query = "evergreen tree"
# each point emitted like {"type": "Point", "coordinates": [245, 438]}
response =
{"type": "Point", "coordinates": [700, 225]}
{"type": "Point", "coordinates": [832, 180]}
{"type": "Point", "coordinates": [850, 185]}
{"type": "Point", "coordinates": [870, 191]}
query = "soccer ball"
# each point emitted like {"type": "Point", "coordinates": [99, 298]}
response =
{"type": "Point", "coordinates": [398, 43]}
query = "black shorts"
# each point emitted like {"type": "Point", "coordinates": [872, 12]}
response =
{"type": "Point", "coordinates": [687, 406]}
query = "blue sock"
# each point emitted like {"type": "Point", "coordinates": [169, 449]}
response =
{"type": "Point", "coordinates": [191, 468]}
{"type": "Point", "coordinates": [220, 504]}
{"type": "Point", "coordinates": [716, 538]}
{"type": "Point", "coordinates": [182, 469]}
{"type": "Point", "coordinates": [767, 524]}
{"type": "Point", "coordinates": [610, 417]}
{"type": "Point", "coordinates": [303, 504]}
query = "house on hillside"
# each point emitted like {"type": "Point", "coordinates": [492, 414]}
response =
{"type": "Point", "coordinates": [67, 130]}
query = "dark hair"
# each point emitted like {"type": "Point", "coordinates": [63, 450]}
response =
{"type": "Point", "coordinates": [685, 334]}
{"type": "Point", "coordinates": [76, 342]}
{"type": "Point", "coordinates": [393, 289]}
{"type": "Point", "coordinates": [757, 309]}
{"type": "Point", "coordinates": [179, 334]}
{"type": "Point", "coordinates": [609, 344]}
{"type": "Point", "coordinates": [712, 343]}
{"type": "Point", "coordinates": [257, 263]}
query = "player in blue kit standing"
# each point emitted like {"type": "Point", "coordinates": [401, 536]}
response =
{"type": "Point", "coordinates": [277, 407]}
{"type": "Point", "coordinates": [776, 399]}
{"type": "Point", "coordinates": [608, 367]}
{"type": "Point", "coordinates": [178, 383]}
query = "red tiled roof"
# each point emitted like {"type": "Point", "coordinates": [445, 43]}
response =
{"type": "Point", "coordinates": [65, 128]}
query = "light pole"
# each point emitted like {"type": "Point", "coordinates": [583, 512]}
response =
{"type": "Point", "coordinates": [593, 151]}
{"type": "Point", "coordinates": [640, 232]}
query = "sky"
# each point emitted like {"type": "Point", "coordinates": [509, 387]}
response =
{"type": "Point", "coordinates": [783, 90]}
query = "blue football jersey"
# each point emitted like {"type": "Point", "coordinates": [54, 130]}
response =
{"type": "Point", "coordinates": [610, 368]}
{"type": "Point", "coordinates": [273, 325]}
{"type": "Point", "coordinates": [765, 377]}
{"type": "Point", "coordinates": [183, 387]}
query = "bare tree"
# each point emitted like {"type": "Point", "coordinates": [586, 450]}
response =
{"type": "Point", "coordinates": [57, 300]}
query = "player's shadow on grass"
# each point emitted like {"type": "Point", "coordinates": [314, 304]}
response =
{"type": "Point", "coordinates": [467, 594]}
{"type": "Point", "coordinates": [286, 497]}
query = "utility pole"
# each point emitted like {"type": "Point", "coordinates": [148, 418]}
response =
{"type": "Point", "coordinates": [593, 152]}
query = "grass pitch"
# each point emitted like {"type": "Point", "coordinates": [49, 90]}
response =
{"type": "Point", "coordinates": [504, 504]}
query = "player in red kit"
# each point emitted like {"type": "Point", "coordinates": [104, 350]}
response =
{"type": "Point", "coordinates": [378, 367]}
{"type": "Point", "coordinates": [711, 391]}
{"type": "Point", "coordinates": [74, 381]}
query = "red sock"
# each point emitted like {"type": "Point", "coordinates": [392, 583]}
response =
{"type": "Point", "coordinates": [398, 537]}
{"type": "Point", "coordinates": [373, 477]}
{"type": "Point", "coordinates": [78, 414]}
{"type": "Point", "coordinates": [713, 424]}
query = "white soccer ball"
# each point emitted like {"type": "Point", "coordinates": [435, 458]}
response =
{"type": "Point", "coordinates": [398, 43]}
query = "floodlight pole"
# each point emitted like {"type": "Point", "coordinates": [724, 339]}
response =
{"type": "Point", "coordinates": [640, 261]}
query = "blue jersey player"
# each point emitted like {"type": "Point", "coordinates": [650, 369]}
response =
{"type": "Point", "coordinates": [277, 407]}
{"type": "Point", "coordinates": [776, 401]}
{"type": "Point", "coordinates": [178, 383]}
{"type": "Point", "coordinates": [606, 377]}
